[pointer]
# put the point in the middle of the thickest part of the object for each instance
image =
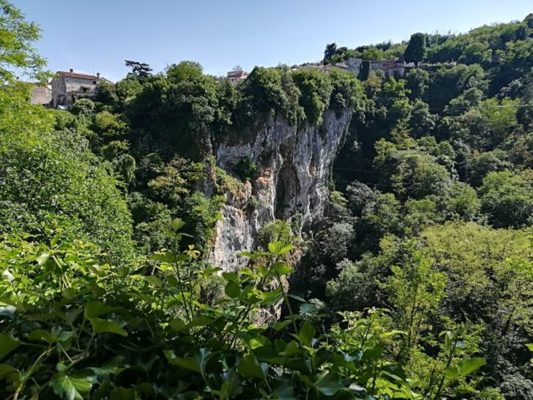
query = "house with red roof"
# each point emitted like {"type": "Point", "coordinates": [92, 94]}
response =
{"type": "Point", "coordinates": [67, 87]}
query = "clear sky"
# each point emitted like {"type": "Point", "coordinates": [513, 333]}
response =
{"type": "Point", "coordinates": [98, 35]}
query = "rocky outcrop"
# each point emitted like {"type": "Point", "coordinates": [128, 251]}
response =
{"type": "Point", "coordinates": [293, 170]}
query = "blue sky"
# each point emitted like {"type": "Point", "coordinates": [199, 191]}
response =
{"type": "Point", "coordinates": [98, 35]}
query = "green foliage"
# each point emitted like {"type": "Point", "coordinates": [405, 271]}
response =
{"type": "Point", "coordinates": [16, 42]}
{"type": "Point", "coordinates": [139, 70]}
{"type": "Point", "coordinates": [186, 71]}
{"type": "Point", "coordinates": [88, 323]}
{"type": "Point", "coordinates": [271, 90]}
{"type": "Point", "coordinates": [380, 216]}
{"type": "Point", "coordinates": [79, 322]}
{"type": "Point", "coordinates": [175, 115]}
{"type": "Point", "coordinates": [330, 51]}
{"type": "Point", "coordinates": [416, 49]}
{"type": "Point", "coordinates": [83, 107]}
{"type": "Point", "coordinates": [449, 83]}
{"type": "Point", "coordinates": [461, 202]}
{"type": "Point", "coordinates": [410, 172]}
{"type": "Point", "coordinates": [246, 169]}
{"type": "Point", "coordinates": [315, 88]}
{"type": "Point", "coordinates": [508, 198]}
{"type": "Point", "coordinates": [347, 92]}
{"type": "Point", "coordinates": [481, 163]}
{"type": "Point", "coordinates": [417, 82]}
{"type": "Point", "coordinates": [48, 181]}
{"type": "Point", "coordinates": [415, 293]}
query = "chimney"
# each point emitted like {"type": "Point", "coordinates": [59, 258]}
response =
{"type": "Point", "coordinates": [98, 75]}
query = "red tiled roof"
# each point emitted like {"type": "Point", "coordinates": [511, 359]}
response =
{"type": "Point", "coordinates": [79, 76]}
{"type": "Point", "coordinates": [236, 73]}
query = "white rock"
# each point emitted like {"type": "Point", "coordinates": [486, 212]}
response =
{"type": "Point", "coordinates": [294, 167]}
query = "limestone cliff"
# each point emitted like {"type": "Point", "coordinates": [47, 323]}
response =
{"type": "Point", "coordinates": [293, 170]}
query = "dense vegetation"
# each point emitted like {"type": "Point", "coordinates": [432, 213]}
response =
{"type": "Point", "coordinates": [417, 284]}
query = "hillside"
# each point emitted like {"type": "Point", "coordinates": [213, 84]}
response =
{"type": "Point", "coordinates": [304, 232]}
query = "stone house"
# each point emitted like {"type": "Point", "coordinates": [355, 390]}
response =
{"type": "Point", "coordinates": [236, 76]}
{"type": "Point", "coordinates": [393, 68]}
{"type": "Point", "coordinates": [67, 87]}
{"type": "Point", "coordinates": [354, 65]}
{"type": "Point", "coordinates": [41, 94]}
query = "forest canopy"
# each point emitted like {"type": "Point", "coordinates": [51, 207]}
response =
{"type": "Point", "coordinates": [415, 284]}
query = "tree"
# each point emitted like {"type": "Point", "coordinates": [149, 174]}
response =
{"type": "Point", "coordinates": [139, 69]}
{"type": "Point", "coordinates": [185, 71]}
{"type": "Point", "coordinates": [416, 49]}
{"type": "Point", "coordinates": [448, 83]}
{"type": "Point", "coordinates": [16, 45]}
{"type": "Point", "coordinates": [461, 201]}
{"type": "Point", "coordinates": [422, 122]}
{"type": "Point", "coordinates": [417, 82]}
{"type": "Point", "coordinates": [508, 198]}
{"type": "Point", "coordinates": [53, 186]}
{"type": "Point", "coordinates": [331, 50]}
{"type": "Point", "coordinates": [316, 89]}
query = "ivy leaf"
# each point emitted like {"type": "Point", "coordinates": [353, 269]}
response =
{"type": "Point", "coordinates": [249, 367]}
{"type": "Point", "coordinates": [232, 289]}
{"type": "Point", "coordinates": [231, 386]}
{"type": "Point", "coordinates": [189, 363]}
{"type": "Point", "coordinates": [154, 281]}
{"type": "Point", "coordinates": [104, 326]}
{"type": "Point", "coordinates": [306, 334]}
{"type": "Point", "coordinates": [470, 365]}
{"type": "Point", "coordinates": [43, 258]}
{"type": "Point", "coordinates": [178, 325]}
{"type": "Point", "coordinates": [254, 255]}
{"type": "Point", "coordinates": [230, 276]}
{"type": "Point", "coordinates": [7, 344]}
{"type": "Point", "coordinates": [96, 308]}
{"type": "Point", "coordinates": [278, 326]}
{"type": "Point", "coordinates": [177, 224]}
{"type": "Point", "coordinates": [329, 384]}
{"type": "Point", "coordinates": [280, 268]}
{"type": "Point", "coordinates": [9, 373]}
{"type": "Point", "coordinates": [112, 367]}
{"type": "Point", "coordinates": [50, 337]}
{"type": "Point", "coordinates": [279, 248]}
{"type": "Point", "coordinates": [69, 387]}
{"type": "Point", "coordinates": [452, 372]}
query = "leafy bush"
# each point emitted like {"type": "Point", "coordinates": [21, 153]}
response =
{"type": "Point", "coordinates": [507, 198]}
{"type": "Point", "coordinates": [48, 182]}
{"type": "Point", "coordinates": [80, 329]}
{"type": "Point", "coordinates": [246, 169]}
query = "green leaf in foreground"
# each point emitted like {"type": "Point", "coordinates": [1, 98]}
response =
{"type": "Point", "coordinates": [7, 344]}
{"type": "Point", "coordinates": [249, 367]}
{"type": "Point", "coordinates": [470, 365]}
{"type": "Point", "coordinates": [69, 387]}
{"type": "Point", "coordinates": [104, 326]}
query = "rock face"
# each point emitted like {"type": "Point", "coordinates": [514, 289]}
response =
{"type": "Point", "coordinates": [293, 170]}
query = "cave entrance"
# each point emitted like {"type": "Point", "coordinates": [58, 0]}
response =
{"type": "Point", "coordinates": [287, 188]}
